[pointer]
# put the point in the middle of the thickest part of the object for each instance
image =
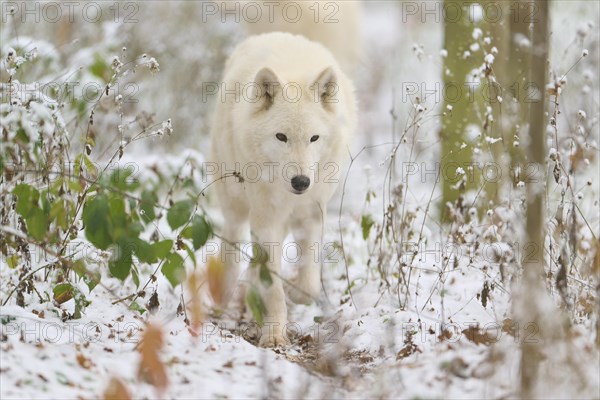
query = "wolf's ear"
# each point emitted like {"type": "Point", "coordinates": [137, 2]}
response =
{"type": "Point", "coordinates": [266, 83]}
{"type": "Point", "coordinates": [327, 88]}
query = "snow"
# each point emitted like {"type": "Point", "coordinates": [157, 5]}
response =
{"type": "Point", "coordinates": [408, 341]}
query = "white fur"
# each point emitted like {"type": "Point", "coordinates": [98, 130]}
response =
{"type": "Point", "coordinates": [243, 134]}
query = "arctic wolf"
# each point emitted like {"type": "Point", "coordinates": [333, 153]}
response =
{"type": "Point", "coordinates": [280, 137]}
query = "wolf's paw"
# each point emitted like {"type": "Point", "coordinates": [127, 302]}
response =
{"type": "Point", "coordinates": [271, 340]}
{"type": "Point", "coordinates": [303, 291]}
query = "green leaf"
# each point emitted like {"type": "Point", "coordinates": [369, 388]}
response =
{"type": "Point", "coordinates": [118, 217]}
{"type": "Point", "coordinates": [12, 261]}
{"type": "Point", "coordinates": [179, 213]}
{"type": "Point", "coordinates": [77, 166]}
{"type": "Point", "coordinates": [144, 252]}
{"type": "Point", "coordinates": [98, 226]}
{"type": "Point", "coordinates": [59, 214]}
{"type": "Point", "coordinates": [91, 278]}
{"type": "Point", "coordinates": [27, 198]}
{"type": "Point", "coordinates": [80, 304]}
{"type": "Point", "coordinates": [189, 251]}
{"type": "Point", "coordinates": [63, 292]}
{"type": "Point", "coordinates": [75, 185]}
{"type": "Point", "coordinates": [90, 167]}
{"type": "Point", "coordinates": [366, 222]}
{"type": "Point", "coordinates": [122, 179]}
{"type": "Point", "coordinates": [46, 205]}
{"type": "Point", "coordinates": [135, 276]}
{"type": "Point", "coordinates": [5, 319]}
{"type": "Point", "coordinates": [161, 249]}
{"type": "Point", "coordinates": [256, 305]}
{"type": "Point", "coordinates": [136, 307]}
{"type": "Point", "coordinates": [200, 231]}
{"type": "Point", "coordinates": [260, 256]}
{"type": "Point", "coordinates": [37, 223]}
{"type": "Point", "coordinates": [147, 202]}
{"type": "Point", "coordinates": [186, 232]}
{"type": "Point", "coordinates": [121, 261]}
{"type": "Point", "coordinates": [265, 275]}
{"type": "Point", "coordinates": [100, 68]}
{"type": "Point", "coordinates": [152, 252]}
{"type": "Point", "coordinates": [173, 269]}
{"type": "Point", "coordinates": [22, 135]}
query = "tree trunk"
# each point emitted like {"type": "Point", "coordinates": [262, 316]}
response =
{"type": "Point", "coordinates": [463, 104]}
{"type": "Point", "coordinates": [533, 292]}
{"type": "Point", "coordinates": [457, 37]}
{"type": "Point", "coordinates": [516, 82]}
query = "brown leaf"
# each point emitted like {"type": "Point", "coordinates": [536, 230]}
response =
{"type": "Point", "coordinates": [216, 278]}
{"type": "Point", "coordinates": [153, 303]}
{"type": "Point", "coordinates": [445, 334]}
{"type": "Point", "coordinates": [556, 173]}
{"type": "Point", "coordinates": [509, 326]}
{"type": "Point", "coordinates": [83, 361]}
{"type": "Point", "coordinates": [409, 348]}
{"type": "Point", "coordinates": [485, 294]}
{"type": "Point", "coordinates": [116, 390]}
{"type": "Point", "coordinates": [151, 368]}
{"type": "Point", "coordinates": [194, 284]}
{"type": "Point", "coordinates": [477, 336]}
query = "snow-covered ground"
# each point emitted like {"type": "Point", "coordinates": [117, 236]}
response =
{"type": "Point", "coordinates": [450, 335]}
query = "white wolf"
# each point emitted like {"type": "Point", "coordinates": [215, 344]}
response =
{"type": "Point", "coordinates": [284, 122]}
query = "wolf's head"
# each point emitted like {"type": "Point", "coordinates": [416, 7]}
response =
{"type": "Point", "coordinates": [294, 128]}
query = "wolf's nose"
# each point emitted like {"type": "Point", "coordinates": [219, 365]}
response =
{"type": "Point", "coordinates": [300, 183]}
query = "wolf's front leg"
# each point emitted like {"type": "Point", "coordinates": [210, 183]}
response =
{"type": "Point", "coordinates": [265, 273]}
{"type": "Point", "coordinates": [307, 228]}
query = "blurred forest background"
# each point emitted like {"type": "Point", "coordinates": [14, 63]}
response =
{"type": "Point", "coordinates": [478, 142]}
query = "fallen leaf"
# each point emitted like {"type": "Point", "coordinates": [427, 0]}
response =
{"type": "Point", "coordinates": [509, 326]}
{"type": "Point", "coordinates": [194, 284]}
{"type": "Point", "coordinates": [216, 278]}
{"type": "Point", "coordinates": [477, 336]}
{"type": "Point", "coordinates": [83, 361]}
{"type": "Point", "coordinates": [151, 368]}
{"type": "Point", "coordinates": [116, 390]}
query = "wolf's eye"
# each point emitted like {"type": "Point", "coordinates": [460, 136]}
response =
{"type": "Point", "coordinates": [281, 137]}
{"type": "Point", "coordinates": [314, 138]}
